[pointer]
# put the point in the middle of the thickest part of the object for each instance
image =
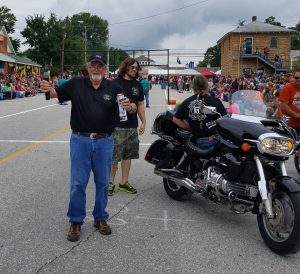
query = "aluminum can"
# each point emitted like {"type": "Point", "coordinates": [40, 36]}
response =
{"type": "Point", "coordinates": [122, 111]}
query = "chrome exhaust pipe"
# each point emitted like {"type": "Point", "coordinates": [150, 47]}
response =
{"type": "Point", "coordinates": [186, 182]}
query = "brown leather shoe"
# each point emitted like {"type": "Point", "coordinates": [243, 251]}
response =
{"type": "Point", "coordinates": [74, 232]}
{"type": "Point", "coordinates": [103, 227]}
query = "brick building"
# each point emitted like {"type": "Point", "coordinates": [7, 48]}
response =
{"type": "Point", "coordinates": [242, 49]}
{"type": "Point", "coordinates": [10, 62]}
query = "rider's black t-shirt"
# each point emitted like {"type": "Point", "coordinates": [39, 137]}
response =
{"type": "Point", "coordinates": [92, 110]}
{"type": "Point", "coordinates": [190, 111]}
{"type": "Point", "coordinates": [134, 91]}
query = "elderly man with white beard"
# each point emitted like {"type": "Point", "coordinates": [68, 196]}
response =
{"type": "Point", "coordinates": [94, 114]}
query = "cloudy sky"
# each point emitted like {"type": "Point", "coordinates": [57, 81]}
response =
{"type": "Point", "coordinates": [184, 27]}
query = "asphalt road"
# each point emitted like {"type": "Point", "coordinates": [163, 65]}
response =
{"type": "Point", "coordinates": [151, 232]}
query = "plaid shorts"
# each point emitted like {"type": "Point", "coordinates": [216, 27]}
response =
{"type": "Point", "coordinates": [126, 144]}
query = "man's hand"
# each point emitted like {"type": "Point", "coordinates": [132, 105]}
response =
{"type": "Point", "coordinates": [45, 86]}
{"type": "Point", "coordinates": [128, 106]}
{"type": "Point", "coordinates": [142, 129]}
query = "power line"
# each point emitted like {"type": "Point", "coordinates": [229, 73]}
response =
{"type": "Point", "coordinates": [158, 14]}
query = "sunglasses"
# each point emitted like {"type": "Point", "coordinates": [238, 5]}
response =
{"type": "Point", "coordinates": [134, 67]}
{"type": "Point", "coordinates": [297, 78]}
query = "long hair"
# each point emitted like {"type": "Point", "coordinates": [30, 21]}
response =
{"type": "Point", "coordinates": [200, 87]}
{"type": "Point", "coordinates": [125, 65]}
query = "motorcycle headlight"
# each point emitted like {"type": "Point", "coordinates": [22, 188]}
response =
{"type": "Point", "coordinates": [272, 143]}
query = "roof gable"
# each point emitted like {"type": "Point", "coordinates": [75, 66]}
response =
{"type": "Point", "coordinates": [143, 58]}
{"type": "Point", "coordinates": [256, 27]}
{"type": "Point", "coordinates": [10, 48]}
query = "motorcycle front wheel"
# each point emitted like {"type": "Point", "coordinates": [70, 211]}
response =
{"type": "Point", "coordinates": [176, 192]}
{"type": "Point", "coordinates": [282, 233]}
{"type": "Point", "coordinates": [297, 162]}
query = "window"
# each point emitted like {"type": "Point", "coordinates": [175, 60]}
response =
{"type": "Point", "coordinates": [274, 42]}
{"type": "Point", "coordinates": [247, 71]}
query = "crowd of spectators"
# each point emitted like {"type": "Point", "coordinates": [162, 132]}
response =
{"type": "Point", "coordinates": [19, 86]}
{"type": "Point", "coordinates": [14, 86]}
{"type": "Point", "coordinates": [223, 87]}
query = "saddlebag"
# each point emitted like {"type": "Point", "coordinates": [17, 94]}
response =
{"type": "Point", "coordinates": [163, 154]}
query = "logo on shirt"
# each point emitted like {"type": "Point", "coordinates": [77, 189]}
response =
{"type": "Point", "coordinates": [296, 101]}
{"type": "Point", "coordinates": [135, 91]}
{"type": "Point", "coordinates": [107, 97]}
{"type": "Point", "coordinates": [195, 109]}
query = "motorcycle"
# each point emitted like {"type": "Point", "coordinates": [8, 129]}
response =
{"type": "Point", "coordinates": [244, 171]}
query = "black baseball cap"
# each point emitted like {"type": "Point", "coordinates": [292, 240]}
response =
{"type": "Point", "coordinates": [98, 57]}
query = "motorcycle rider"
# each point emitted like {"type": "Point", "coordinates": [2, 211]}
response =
{"type": "Point", "coordinates": [190, 114]}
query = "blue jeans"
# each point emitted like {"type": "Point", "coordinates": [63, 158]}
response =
{"type": "Point", "coordinates": [146, 93]}
{"type": "Point", "coordinates": [204, 142]}
{"type": "Point", "coordinates": [86, 155]}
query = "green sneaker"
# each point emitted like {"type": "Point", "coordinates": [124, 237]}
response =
{"type": "Point", "coordinates": [127, 187]}
{"type": "Point", "coordinates": [111, 189]}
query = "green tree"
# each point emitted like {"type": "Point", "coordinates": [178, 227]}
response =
{"type": "Point", "coordinates": [212, 57]}
{"type": "Point", "coordinates": [295, 44]}
{"type": "Point", "coordinates": [116, 56]}
{"type": "Point", "coordinates": [48, 38]}
{"type": "Point", "coordinates": [83, 30]}
{"type": "Point", "coordinates": [296, 64]}
{"type": "Point", "coordinates": [241, 22]}
{"type": "Point", "coordinates": [8, 20]}
{"type": "Point", "coordinates": [271, 20]}
{"type": "Point", "coordinates": [36, 36]}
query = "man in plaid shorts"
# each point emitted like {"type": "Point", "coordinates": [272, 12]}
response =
{"type": "Point", "coordinates": [126, 141]}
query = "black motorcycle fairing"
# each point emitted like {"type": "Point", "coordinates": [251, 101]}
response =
{"type": "Point", "coordinates": [287, 182]}
{"type": "Point", "coordinates": [163, 124]}
{"type": "Point", "coordinates": [237, 130]}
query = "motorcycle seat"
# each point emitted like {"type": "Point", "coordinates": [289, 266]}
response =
{"type": "Point", "coordinates": [195, 151]}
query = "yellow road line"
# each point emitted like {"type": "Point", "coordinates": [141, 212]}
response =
{"type": "Point", "coordinates": [21, 151]}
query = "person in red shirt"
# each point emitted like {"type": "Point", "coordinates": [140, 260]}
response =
{"type": "Point", "coordinates": [289, 99]}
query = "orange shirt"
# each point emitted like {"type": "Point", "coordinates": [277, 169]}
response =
{"type": "Point", "coordinates": [291, 94]}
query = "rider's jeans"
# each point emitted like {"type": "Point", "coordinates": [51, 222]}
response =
{"type": "Point", "coordinates": [206, 142]}
{"type": "Point", "coordinates": [89, 155]}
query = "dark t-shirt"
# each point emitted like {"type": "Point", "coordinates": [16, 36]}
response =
{"type": "Point", "coordinates": [190, 109]}
{"type": "Point", "coordinates": [134, 91]}
{"type": "Point", "coordinates": [92, 110]}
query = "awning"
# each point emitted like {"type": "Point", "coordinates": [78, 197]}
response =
{"type": "Point", "coordinates": [5, 58]}
{"type": "Point", "coordinates": [188, 72]}
{"type": "Point", "coordinates": [207, 73]}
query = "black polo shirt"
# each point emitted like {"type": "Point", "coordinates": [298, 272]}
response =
{"type": "Point", "coordinates": [93, 110]}
{"type": "Point", "coordinates": [134, 91]}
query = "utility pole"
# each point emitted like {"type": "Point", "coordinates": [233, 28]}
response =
{"type": "Point", "coordinates": [108, 53]}
{"type": "Point", "coordinates": [85, 43]}
{"type": "Point", "coordinates": [63, 51]}
{"type": "Point", "coordinates": [85, 39]}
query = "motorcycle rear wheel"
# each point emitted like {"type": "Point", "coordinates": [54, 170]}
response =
{"type": "Point", "coordinates": [176, 192]}
{"type": "Point", "coordinates": [282, 233]}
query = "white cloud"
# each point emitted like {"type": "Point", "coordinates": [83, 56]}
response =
{"type": "Point", "coordinates": [197, 27]}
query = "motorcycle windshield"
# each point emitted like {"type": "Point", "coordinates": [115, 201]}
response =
{"type": "Point", "coordinates": [252, 105]}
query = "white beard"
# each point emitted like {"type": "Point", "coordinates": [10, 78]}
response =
{"type": "Point", "coordinates": [96, 77]}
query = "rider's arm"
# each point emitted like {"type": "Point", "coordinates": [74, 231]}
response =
{"type": "Point", "coordinates": [181, 123]}
{"type": "Point", "coordinates": [285, 107]}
